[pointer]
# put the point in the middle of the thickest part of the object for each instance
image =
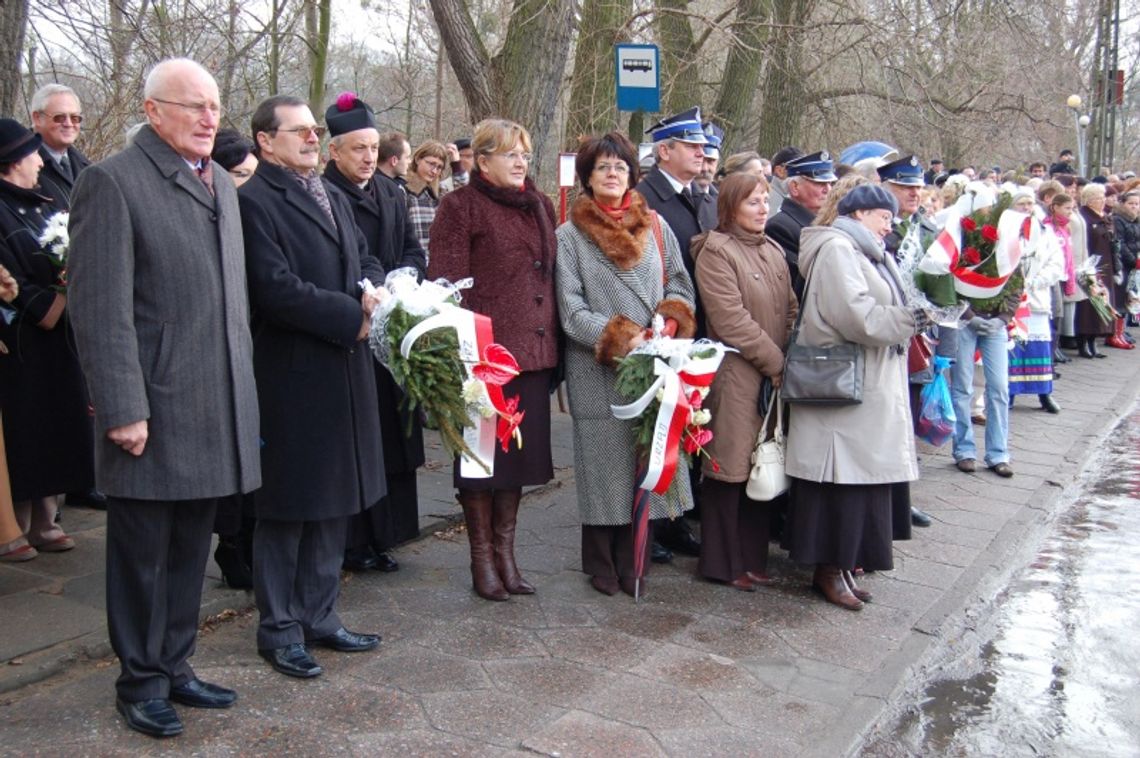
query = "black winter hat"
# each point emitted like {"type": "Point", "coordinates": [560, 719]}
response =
{"type": "Point", "coordinates": [348, 114]}
{"type": "Point", "coordinates": [16, 141]}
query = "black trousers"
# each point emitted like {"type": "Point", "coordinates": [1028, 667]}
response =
{"type": "Point", "coordinates": [607, 551]}
{"type": "Point", "coordinates": [156, 558]}
{"type": "Point", "coordinates": [296, 579]}
{"type": "Point", "coordinates": [734, 531]}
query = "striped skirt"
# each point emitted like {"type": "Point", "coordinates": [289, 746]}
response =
{"type": "Point", "coordinates": [1031, 363]}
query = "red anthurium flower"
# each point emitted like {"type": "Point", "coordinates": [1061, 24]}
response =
{"type": "Point", "coordinates": [509, 422]}
{"type": "Point", "coordinates": [973, 257]}
{"type": "Point", "coordinates": [989, 233]}
{"type": "Point", "coordinates": [497, 367]}
{"type": "Point", "coordinates": [969, 224]}
{"type": "Point", "coordinates": [695, 400]}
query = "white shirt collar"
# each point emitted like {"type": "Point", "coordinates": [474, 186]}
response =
{"type": "Point", "coordinates": [677, 185]}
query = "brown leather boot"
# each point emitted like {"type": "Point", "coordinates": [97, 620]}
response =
{"type": "Point", "coordinates": [855, 589]}
{"type": "Point", "coordinates": [829, 581]}
{"type": "Point", "coordinates": [477, 506]}
{"type": "Point", "coordinates": [505, 516]}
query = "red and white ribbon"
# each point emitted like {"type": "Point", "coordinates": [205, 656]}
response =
{"type": "Point", "coordinates": [474, 333]}
{"type": "Point", "coordinates": [676, 379]}
{"type": "Point", "coordinates": [942, 257]}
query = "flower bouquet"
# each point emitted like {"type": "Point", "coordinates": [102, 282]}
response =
{"type": "Point", "coordinates": [976, 256]}
{"type": "Point", "coordinates": [1089, 281]}
{"type": "Point", "coordinates": [445, 359]}
{"type": "Point", "coordinates": [55, 241]}
{"type": "Point", "coordinates": [1132, 305]}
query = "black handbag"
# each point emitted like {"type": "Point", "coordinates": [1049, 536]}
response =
{"type": "Point", "coordinates": [821, 375]}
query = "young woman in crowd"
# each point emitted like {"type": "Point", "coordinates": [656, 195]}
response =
{"type": "Point", "coordinates": [618, 266]}
{"type": "Point", "coordinates": [750, 307]}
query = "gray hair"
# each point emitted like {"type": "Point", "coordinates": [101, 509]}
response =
{"type": "Point", "coordinates": [48, 91]}
{"type": "Point", "coordinates": [157, 77]}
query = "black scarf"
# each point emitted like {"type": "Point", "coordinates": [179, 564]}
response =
{"type": "Point", "coordinates": [530, 200]}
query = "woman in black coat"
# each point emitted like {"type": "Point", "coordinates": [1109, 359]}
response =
{"type": "Point", "coordinates": [1088, 325]}
{"type": "Point", "coordinates": [47, 429]}
{"type": "Point", "coordinates": [1126, 220]}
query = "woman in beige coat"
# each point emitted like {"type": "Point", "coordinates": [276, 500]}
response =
{"type": "Point", "coordinates": [843, 459]}
{"type": "Point", "coordinates": [750, 306]}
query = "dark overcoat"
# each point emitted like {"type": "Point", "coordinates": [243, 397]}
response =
{"type": "Point", "coordinates": [160, 311]}
{"type": "Point", "coordinates": [321, 455]}
{"type": "Point", "coordinates": [54, 184]}
{"type": "Point", "coordinates": [1101, 241]}
{"type": "Point", "coordinates": [784, 229]}
{"type": "Point", "coordinates": [47, 430]}
{"type": "Point", "coordinates": [383, 219]}
{"type": "Point", "coordinates": [686, 219]}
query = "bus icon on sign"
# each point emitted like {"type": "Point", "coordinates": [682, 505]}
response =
{"type": "Point", "coordinates": [637, 64]}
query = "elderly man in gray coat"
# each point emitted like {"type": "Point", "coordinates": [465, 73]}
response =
{"type": "Point", "coordinates": [161, 317]}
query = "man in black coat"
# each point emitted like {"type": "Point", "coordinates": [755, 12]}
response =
{"type": "Point", "coordinates": [322, 455]}
{"type": "Point", "coordinates": [679, 147]}
{"type": "Point", "coordinates": [809, 180]}
{"type": "Point", "coordinates": [56, 116]}
{"type": "Point", "coordinates": [380, 209]}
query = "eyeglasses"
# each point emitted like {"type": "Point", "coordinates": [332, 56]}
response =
{"type": "Point", "coordinates": [304, 131]}
{"type": "Point", "coordinates": [433, 165]}
{"type": "Point", "coordinates": [198, 109]}
{"type": "Point", "coordinates": [514, 156]}
{"type": "Point", "coordinates": [621, 169]}
{"type": "Point", "coordinates": [63, 118]}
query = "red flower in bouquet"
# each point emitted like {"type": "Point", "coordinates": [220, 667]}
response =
{"type": "Point", "coordinates": [695, 438]}
{"type": "Point", "coordinates": [989, 233]}
{"type": "Point", "coordinates": [969, 224]}
{"type": "Point", "coordinates": [497, 367]}
{"type": "Point", "coordinates": [695, 400]}
{"type": "Point", "coordinates": [508, 426]}
{"type": "Point", "coordinates": [973, 257]}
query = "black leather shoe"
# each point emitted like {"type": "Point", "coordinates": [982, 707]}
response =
{"type": "Point", "coordinates": [359, 559]}
{"type": "Point", "coordinates": [1049, 404]}
{"type": "Point", "coordinates": [198, 694]}
{"type": "Point", "coordinates": [93, 498]}
{"type": "Point", "coordinates": [919, 517]}
{"type": "Point", "coordinates": [658, 553]}
{"type": "Point", "coordinates": [1059, 357]}
{"type": "Point", "coordinates": [292, 660]}
{"type": "Point", "coordinates": [386, 563]}
{"type": "Point", "coordinates": [156, 718]}
{"type": "Point", "coordinates": [677, 536]}
{"type": "Point", "coordinates": [345, 641]}
{"type": "Point", "coordinates": [1086, 349]}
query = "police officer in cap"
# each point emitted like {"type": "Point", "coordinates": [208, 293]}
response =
{"type": "Point", "coordinates": [903, 178]}
{"type": "Point", "coordinates": [679, 149]}
{"type": "Point", "coordinates": [705, 181]}
{"type": "Point", "coordinates": [809, 180]}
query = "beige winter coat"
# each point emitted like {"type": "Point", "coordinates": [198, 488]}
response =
{"type": "Point", "coordinates": [749, 305]}
{"type": "Point", "coordinates": [847, 299]}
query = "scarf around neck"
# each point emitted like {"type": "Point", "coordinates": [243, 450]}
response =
{"type": "Point", "coordinates": [874, 251]}
{"type": "Point", "coordinates": [527, 199]}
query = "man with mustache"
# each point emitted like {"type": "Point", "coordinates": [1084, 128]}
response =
{"type": "Point", "coordinates": [321, 452]}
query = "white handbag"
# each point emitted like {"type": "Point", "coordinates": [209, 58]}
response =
{"type": "Point", "coordinates": [768, 479]}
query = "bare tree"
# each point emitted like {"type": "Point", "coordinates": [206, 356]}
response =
{"type": "Point", "coordinates": [13, 22]}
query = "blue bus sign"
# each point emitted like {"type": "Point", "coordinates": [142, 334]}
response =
{"type": "Point", "coordinates": [638, 78]}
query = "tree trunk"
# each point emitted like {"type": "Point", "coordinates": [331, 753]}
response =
{"type": "Point", "coordinates": [593, 107]}
{"type": "Point", "coordinates": [783, 89]}
{"type": "Point", "coordinates": [318, 22]}
{"type": "Point", "coordinates": [741, 73]}
{"type": "Point", "coordinates": [680, 80]}
{"type": "Point", "coordinates": [13, 23]}
{"type": "Point", "coordinates": [523, 79]}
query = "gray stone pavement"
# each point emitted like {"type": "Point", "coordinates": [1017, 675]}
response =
{"type": "Point", "coordinates": [694, 669]}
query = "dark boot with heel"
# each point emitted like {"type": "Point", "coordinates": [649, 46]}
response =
{"type": "Point", "coordinates": [477, 507]}
{"type": "Point", "coordinates": [503, 523]}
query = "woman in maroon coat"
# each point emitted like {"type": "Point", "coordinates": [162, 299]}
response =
{"type": "Point", "coordinates": [499, 229]}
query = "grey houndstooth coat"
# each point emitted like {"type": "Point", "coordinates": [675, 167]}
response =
{"type": "Point", "coordinates": [591, 291]}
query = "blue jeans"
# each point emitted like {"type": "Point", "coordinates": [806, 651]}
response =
{"type": "Point", "coordinates": [995, 363]}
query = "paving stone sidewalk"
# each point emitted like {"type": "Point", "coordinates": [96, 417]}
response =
{"type": "Point", "coordinates": [694, 669]}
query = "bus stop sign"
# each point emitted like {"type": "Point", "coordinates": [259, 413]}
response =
{"type": "Point", "coordinates": [638, 78]}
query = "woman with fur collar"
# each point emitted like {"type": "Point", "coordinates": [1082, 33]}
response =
{"type": "Point", "coordinates": [618, 265]}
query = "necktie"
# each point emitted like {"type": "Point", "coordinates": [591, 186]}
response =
{"type": "Point", "coordinates": [688, 195]}
{"type": "Point", "coordinates": [65, 168]}
{"type": "Point", "coordinates": [206, 174]}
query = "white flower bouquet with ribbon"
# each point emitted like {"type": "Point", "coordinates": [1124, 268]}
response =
{"type": "Point", "coordinates": [446, 360]}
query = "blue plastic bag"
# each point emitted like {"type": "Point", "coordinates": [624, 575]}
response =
{"type": "Point", "coordinates": [935, 422]}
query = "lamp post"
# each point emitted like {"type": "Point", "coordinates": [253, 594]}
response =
{"type": "Point", "coordinates": [1080, 123]}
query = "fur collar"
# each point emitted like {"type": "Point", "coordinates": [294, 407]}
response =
{"type": "Point", "coordinates": [622, 242]}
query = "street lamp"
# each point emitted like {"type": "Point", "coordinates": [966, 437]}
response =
{"type": "Point", "coordinates": [1081, 122]}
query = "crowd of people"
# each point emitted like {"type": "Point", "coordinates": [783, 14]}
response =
{"type": "Point", "coordinates": [196, 361]}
